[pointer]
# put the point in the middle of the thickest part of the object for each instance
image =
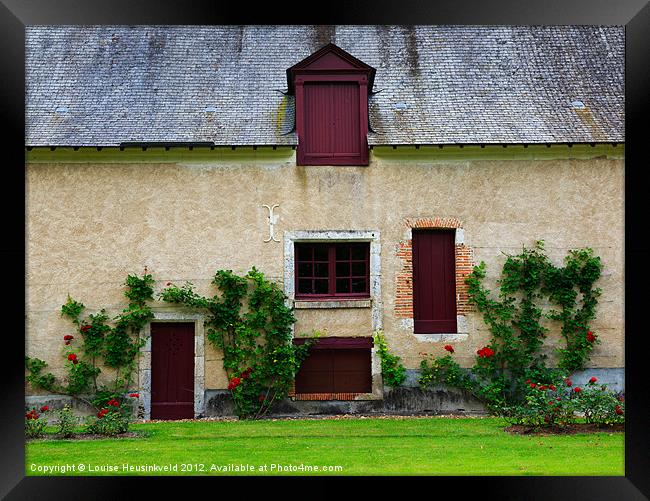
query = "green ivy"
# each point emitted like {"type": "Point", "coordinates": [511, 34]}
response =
{"type": "Point", "coordinates": [116, 347]}
{"type": "Point", "coordinates": [514, 318]}
{"type": "Point", "coordinates": [392, 371]}
{"type": "Point", "coordinates": [250, 323]}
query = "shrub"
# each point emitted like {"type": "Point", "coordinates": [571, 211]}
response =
{"type": "Point", "coordinates": [600, 405]}
{"type": "Point", "coordinates": [392, 371]}
{"type": "Point", "coordinates": [544, 405]}
{"type": "Point", "coordinates": [110, 420]}
{"type": "Point", "coordinates": [35, 423]}
{"type": "Point", "coordinates": [66, 422]}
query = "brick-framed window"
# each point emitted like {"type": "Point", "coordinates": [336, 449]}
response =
{"type": "Point", "coordinates": [332, 270]}
{"type": "Point", "coordinates": [331, 89]}
{"type": "Point", "coordinates": [463, 262]}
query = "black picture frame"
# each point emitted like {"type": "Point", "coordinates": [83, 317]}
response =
{"type": "Point", "coordinates": [634, 14]}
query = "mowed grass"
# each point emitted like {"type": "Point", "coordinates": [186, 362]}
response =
{"type": "Point", "coordinates": [393, 446]}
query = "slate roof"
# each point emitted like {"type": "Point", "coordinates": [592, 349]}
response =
{"type": "Point", "coordinates": [104, 85]}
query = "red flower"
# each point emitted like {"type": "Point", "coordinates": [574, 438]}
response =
{"type": "Point", "coordinates": [261, 397]}
{"type": "Point", "coordinates": [558, 399]}
{"type": "Point", "coordinates": [72, 357]}
{"type": "Point", "coordinates": [621, 398]}
{"type": "Point", "coordinates": [449, 348]}
{"type": "Point", "coordinates": [45, 408]}
{"type": "Point", "coordinates": [532, 385]}
{"type": "Point", "coordinates": [31, 414]}
{"type": "Point", "coordinates": [568, 382]}
{"type": "Point", "coordinates": [543, 387]}
{"type": "Point", "coordinates": [102, 413]}
{"type": "Point", "coordinates": [527, 381]}
{"type": "Point", "coordinates": [590, 337]}
{"type": "Point", "coordinates": [485, 352]}
{"type": "Point", "coordinates": [593, 380]}
{"type": "Point", "coordinates": [113, 402]}
{"type": "Point", "coordinates": [552, 387]}
{"type": "Point", "coordinates": [618, 410]}
{"type": "Point", "coordinates": [134, 395]}
{"type": "Point", "coordinates": [169, 283]}
{"type": "Point", "coordinates": [85, 328]}
{"type": "Point", "coordinates": [234, 382]}
{"type": "Point", "coordinates": [577, 389]}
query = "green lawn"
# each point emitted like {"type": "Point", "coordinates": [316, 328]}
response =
{"type": "Point", "coordinates": [425, 446]}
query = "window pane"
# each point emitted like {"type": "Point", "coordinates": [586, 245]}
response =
{"type": "Point", "coordinates": [320, 286]}
{"type": "Point", "coordinates": [359, 269]}
{"type": "Point", "coordinates": [321, 269]}
{"type": "Point", "coordinates": [343, 252]}
{"type": "Point", "coordinates": [342, 269]}
{"type": "Point", "coordinates": [342, 285]}
{"type": "Point", "coordinates": [305, 286]}
{"type": "Point", "coordinates": [320, 253]}
{"type": "Point", "coordinates": [305, 269]}
{"type": "Point", "coordinates": [359, 251]}
{"type": "Point", "coordinates": [304, 252]}
{"type": "Point", "coordinates": [358, 285]}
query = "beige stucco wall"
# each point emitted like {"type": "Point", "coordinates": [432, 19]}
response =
{"type": "Point", "coordinates": [91, 224]}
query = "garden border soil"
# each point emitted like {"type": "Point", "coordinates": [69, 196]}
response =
{"type": "Point", "coordinates": [571, 429]}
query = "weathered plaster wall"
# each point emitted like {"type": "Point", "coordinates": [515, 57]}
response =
{"type": "Point", "coordinates": [91, 223]}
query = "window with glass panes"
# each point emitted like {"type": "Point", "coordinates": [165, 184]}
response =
{"type": "Point", "coordinates": [332, 270]}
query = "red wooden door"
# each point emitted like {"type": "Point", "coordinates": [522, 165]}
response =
{"type": "Point", "coordinates": [434, 282]}
{"type": "Point", "coordinates": [172, 370]}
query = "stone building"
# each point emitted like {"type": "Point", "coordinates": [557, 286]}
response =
{"type": "Point", "coordinates": [325, 156]}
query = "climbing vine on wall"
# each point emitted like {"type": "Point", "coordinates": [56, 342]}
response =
{"type": "Point", "coordinates": [250, 323]}
{"type": "Point", "coordinates": [98, 344]}
{"type": "Point", "coordinates": [514, 317]}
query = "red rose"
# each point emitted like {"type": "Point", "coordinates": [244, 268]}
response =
{"type": "Point", "coordinates": [134, 395]}
{"type": "Point", "coordinates": [558, 399]}
{"type": "Point", "coordinates": [449, 348]}
{"type": "Point", "coordinates": [72, 357]}
{"type": "Point", "coordinates": [568, 382]}
{"type": "Point", "coordinates": [261, 397]}
{"type": "Point", "coordinates": [577, 389]}
{"type": "Point", "coordinates": [543, 387]}
{"type": "Point", "coordinates": [618, 410]}
{"type": "Point", "coordinates": [68, 337]}
{"type": "Point", "coordinates": [234, 382]}
{"type": "Point", "coordinates": [102, 413]}
{"type": "Point", "coordinates": [45, 408]}
{"type": "Point", "coordinates": [85, 328]}
{"type": "Point", "coordinates": [593, 380]}
{"type": "Point", "coordinates": [590, 337]}
{"type": "Point", "coordinates": [527, 381]}
{"type": "Point", "coordinates": [621, 398]}
{"type": "Point", "coordinates": [485, 352]}
{"type": "Point", "coordinates": [532, 385]}
{"type": "Point", "coordinates": [552, 387]}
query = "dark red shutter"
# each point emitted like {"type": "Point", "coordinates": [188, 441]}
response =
{"type": "Point", "coordinates": [434, 282]}
{"type": "Point", "coordinates": [332, 133]}
{"type": "Point", "coordinates": [172, 370]}
{"type": "Point", "coordinates": [336, 365]}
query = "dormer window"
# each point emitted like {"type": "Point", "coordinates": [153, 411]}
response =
{"type": "Point", "coordinates": [331, 89]}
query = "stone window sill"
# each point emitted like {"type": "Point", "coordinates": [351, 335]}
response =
{"type": "Point", "coordinates": [303, 304]}
{"type": "Point", "coordinates": [436, 338]}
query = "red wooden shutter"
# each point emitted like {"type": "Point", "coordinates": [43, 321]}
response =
{"type": "Point", "coordinates": [332, 132]}
{"type": "Point", "coordinates": [336, 365]}
{"type": "Point", "coordinates": [434, 282]}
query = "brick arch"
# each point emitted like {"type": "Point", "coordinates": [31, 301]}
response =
{"type": "Point", "coordinates": [464, 257]}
